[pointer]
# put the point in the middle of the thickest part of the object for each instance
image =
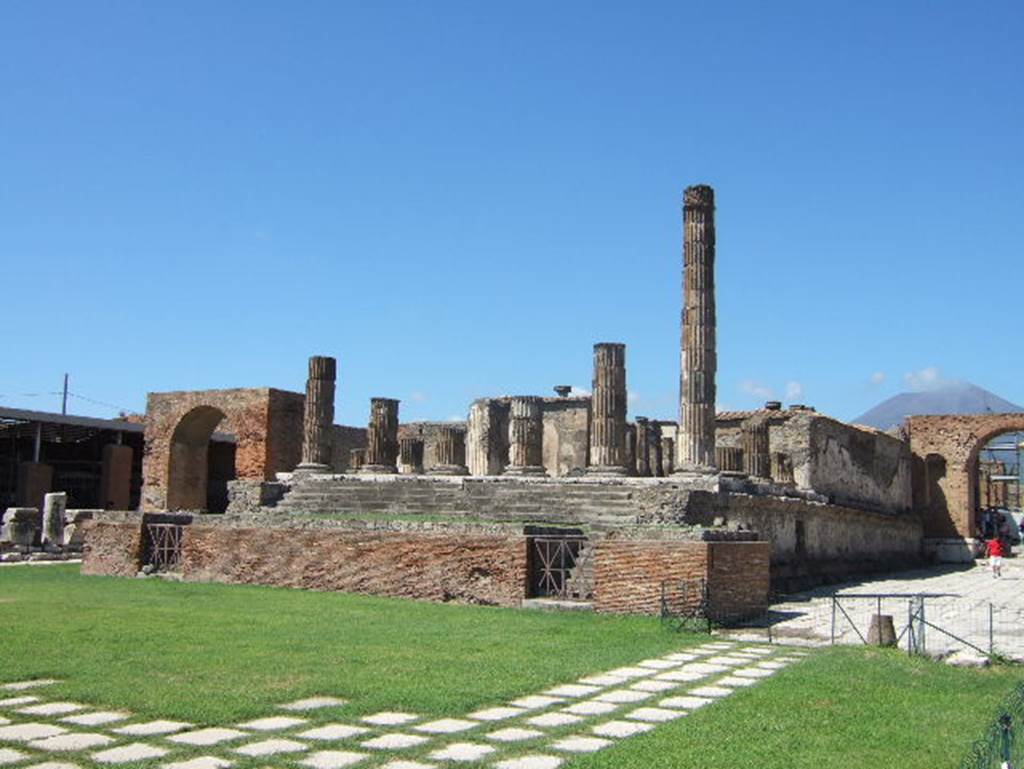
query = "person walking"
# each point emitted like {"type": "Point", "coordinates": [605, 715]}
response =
{"type": "Point", "coordinates": [995, 555]}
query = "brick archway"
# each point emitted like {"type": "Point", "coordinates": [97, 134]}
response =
{"type": "Point", "coordinates": [957, 439]}
{"type": "Point", "coordinates": [266, 423]}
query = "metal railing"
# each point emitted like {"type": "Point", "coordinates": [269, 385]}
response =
{"type": "Point", "coordinates": [1003, 744]}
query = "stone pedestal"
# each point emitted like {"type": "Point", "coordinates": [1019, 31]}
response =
{"type": "Point", "coordinates": [729, 460]}
{"type": "Point", "coordinates": [356, 459]}
{"type": "Point", "coordinates": [668, 456]}
{"type": "Point", "coordinates": [55, 506]}
{"type": "Point", "coordinates": [116, 477]}
{"type": "Point", "coordinates": [608, 411]}
{"type": "Point", "coordinates": [410, 456]}
{"type": "Point", "coordinates": [318, 416]}
{"type": "Point", "coordinates": [881, 630]}
{"type": "Point", "coordinates": [526, 436]}
{"type": "Point", "coordinates": [450, 452]}
{"type": "Point", "coordinates": [756, 457]}
{"type": "Point", "coordinates": [695, 443]}
{"type": "Point", "coordinates": [382, 437]}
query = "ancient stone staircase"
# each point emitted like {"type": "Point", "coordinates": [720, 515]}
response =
{"type": "Point", "coordinates": [594, 504]}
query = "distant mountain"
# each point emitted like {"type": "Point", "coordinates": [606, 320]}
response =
{"type": "Point", "coordinates": [951, 398]}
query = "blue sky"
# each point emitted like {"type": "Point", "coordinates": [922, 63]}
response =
{"type": "Point", "coordinates": [459, 199]}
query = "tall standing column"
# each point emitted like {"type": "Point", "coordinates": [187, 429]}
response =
{"type": "Point", "coordinates": [630, 449]}
{"type": "Point", "coordinates": [608, 410]}
{"type": "Point", "coordinates": [318, 417]}
{"type": "Point", "coordinates": [382, 437]}
{"type": "Point", "coordinates": [643, 447]}
{"type": "Point", "coordinates": [451, 452]}
{"type": "Point", "coordinates": [668, 455]}
{"type": "Point", "coordinates": [756, 456]}
{"type": "Point", "coordinates": [695, 445]}
{"type": "Point", "coordinates": [525, 436]}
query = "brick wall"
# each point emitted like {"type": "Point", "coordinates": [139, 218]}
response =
{"type": "Point", "coordinates": [628, 575]}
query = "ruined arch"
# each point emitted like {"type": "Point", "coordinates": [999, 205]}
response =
{"type": "Point", "coordinates": [188, 460]}
{"type": "Point", "coordinates": [971, 466]}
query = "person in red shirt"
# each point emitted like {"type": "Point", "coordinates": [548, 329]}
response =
{"type": "Point", "coordinates": [995, 555]}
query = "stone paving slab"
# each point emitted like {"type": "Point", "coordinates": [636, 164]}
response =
{"type": "Point", "coordinates": [333, 732]}
{"type": "Point", "coordinates": [683, 657]}
{"type": "Point", "coordinates": [753, 673]}
{"type": "Point", "coordinates": [735, 681]}
{"type": "Point", "coordinates": [514, 734]}
{"type": "Point", "coordinates": [581, 744]}
{"type": "Point", "coordinates": [650, 685]}
{"type": "Point", "coordinates": [446, 726]}
{"type": "Point", "coordinates": [4, 721]}
{"type": "Point", "coordinates": [390, 718]}
{"type": "Point", "coordinates": [658, 664]}
{"type": "Point", "coordinates": [72, 741]}
{"type": "Point", "coordinates": [572, 690]}
{"type": "Point", "coordinates": [51, 709]}
{"type": "Point", "coordinates": [395, 741]}
{"type": "Point", "coordinates": [211, 736]}
{"type": "Point", "coordinates": [711, 691]}
{"type": "Point", "coordinates": [604, 679]}
{"type": "Point", "coordinates": [546, 720]}
{"type": "Point", "coordinates": [630, 672]}
{"type": "Point", "coordinates": [496, 714]}
{"type": "Point", "coordinates": [96, 718]}
{"type": "Point", "coordinates": [133, 751]}
{"type": "Point", "coordinates": [18, 686]}
{"type": "Point", "coordinates": [332, 759]}
{"type": "Point", "coordinates": [26, 732]}
{"type": "Point", "coordinates": [620, 696]}
{"type": "Point", "coordinates": [11, 756]}
{"type": "Point", "coordinates": [463, 751]}
{"type": "Point", "coordinates": [151, 728]}
{"type": "Point", "coordinates": [273, 723]}
{"type": "Point", "coordinates": [11, 702]}
{"type": "Point", "coordinates": [591, 708]}
{"type": "Point", "coordinates": [270, 747]}
{"type": "Point", "coordinates": [535, 702]}
{"type": "Point", "coordinates": [52, 765]}
{"type": "Point", "coordinates": [619, 729]}
{"type": "Point", "coordinates": [681, 675]}
{"type": "Point", "coordinates": [654, 715]}
{"type": "Point", "coordinates": [314, 703]}
{"type": "Point", "coordinates": [407, 765]}
{"type": "Point", "coordinates": [201, 762]}
{"type": "Point", "coordinates": [685, 703]}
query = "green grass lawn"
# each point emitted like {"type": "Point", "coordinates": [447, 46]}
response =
{"type": "Point", "coordinates": [217, 654]}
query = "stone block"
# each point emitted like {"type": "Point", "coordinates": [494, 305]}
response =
{"type": "Point", "coordinates": [54, 509]}
{"type": "Point", "coordinates": [21, 526]}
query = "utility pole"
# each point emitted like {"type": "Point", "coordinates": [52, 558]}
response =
{"type": "Point", "coordinates": [64, 402]}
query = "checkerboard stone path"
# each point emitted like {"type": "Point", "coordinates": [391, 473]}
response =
{"type": "Point", "coordinates": [536, 731]}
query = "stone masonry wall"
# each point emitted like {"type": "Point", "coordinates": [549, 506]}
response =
{"type": "Point", "coordinates": [566, 443]}
{"type": "Point", "coordinates": [945, 451]}
{"type": "Point", "coordinates": [111, 548]}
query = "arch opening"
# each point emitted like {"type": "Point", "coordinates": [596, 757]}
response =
{"type": "Point", "coordinates": [199, 467]}
{"type": "Point", "coordinates": [996, 485]}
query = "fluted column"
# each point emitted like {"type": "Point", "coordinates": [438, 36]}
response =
{"type": "Point", "coordinates": [486, 442]}
{"type": "Point", "coordinates": [356, 459]}
{"type": "Point", "coordinates": [729, 459]}
{"type": "Point", "coordinates": [318, 416]}
{"type": "Point", "coordinates": [608, 410]}
{"type": "Point", "coordinates": [382, 437]}
{"type": "Point", "coordinates": [695, 445]}
{"type": "Point", "coordinates": [630, 449]}
{"type": "Point", "coordinates": [756, 457]}
{"type": "Point", "coordinates": [643, 447]}
{"type": "Point", "coordinates": [668, 455]}
{"type": "Point", "coordinates": [451, 452]}
{"type": "Point", "coordinates": [410, 455]}
{"type": "Point", "coordinates": [525, 436]}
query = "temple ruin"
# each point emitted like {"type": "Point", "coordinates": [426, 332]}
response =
{"type": "Point", "coordinates": [535, 497]}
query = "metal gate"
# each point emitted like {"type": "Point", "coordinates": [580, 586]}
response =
{"type": "Point", "coordinates": [162, 546]}
{"type": "Point", "coordinates": [557, 567]}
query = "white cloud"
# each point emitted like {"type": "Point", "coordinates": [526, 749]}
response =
{"type": "Point", "coordinates": [794, 390]}
{"type": "Point", "coordinates": [928, 378]}
{"type": "Point", "coordinates": [877, 378]}
{"type": "Point", "coordinates": [757, 389]}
